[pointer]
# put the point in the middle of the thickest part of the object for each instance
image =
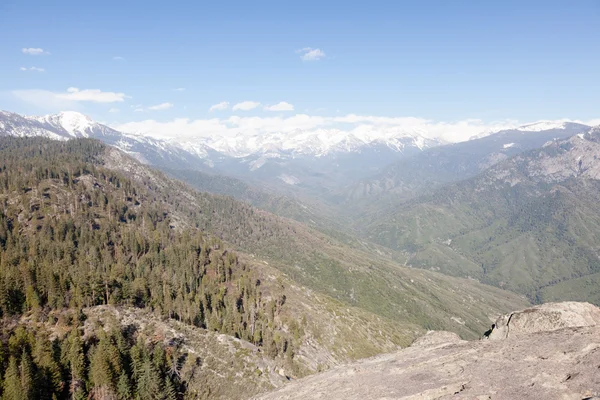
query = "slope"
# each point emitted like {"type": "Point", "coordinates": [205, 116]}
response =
{"type": "Point", "coordinates": [300, 208]}
{"type": "Point", "coordinates": [359, 275]}
{"type": "Point", "coordinates": [351, 303]}
{"type": "Point", "coordinates": [530, 224]}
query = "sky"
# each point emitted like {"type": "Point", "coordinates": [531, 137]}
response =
{"type": "Point", "coordinates": [185, 68]}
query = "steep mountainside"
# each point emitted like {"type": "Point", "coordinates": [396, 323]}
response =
{"type": "Point", "coordinates": [84, 225]}
{"type": "Point", "coordinates": [452, 163]}
{"type": "Point", "coordinates": [354, 272]}
{"type": "Point", "coordinates": [530, 224]}
{"type": "Point", "coordinates": [74, 234]}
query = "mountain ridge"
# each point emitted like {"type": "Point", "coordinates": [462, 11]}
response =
{"type": "Point", "coordinates": [443, 165]}
{"type": "Point", "coordinates": [528, 224]}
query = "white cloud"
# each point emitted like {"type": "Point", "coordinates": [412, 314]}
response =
{"type": "Point", "coordinates": [118, 58]}
{"type": "Point", "coordinates": [161, 106]}
{"type": "Point", "coordinates": [113, 110]}
{"type": "Point", "coordinates": [362, 126]}
{"type": "Point", "coordinates": [310, 54]}
{"type": "Point", "coordinates": [246, 105]}
{"type": "Point", "coordinates": [92, 95]}
{"type": "Point", "coordinates": [224, 105]}
{"type": "Point", "coordinates": [592, 122]}
{"type": "Point", "coordinates": [34, 51]}
{"type": "Point", "coordinates": [179, 89]}
{"type": "Point", "coordinates": [281, 106]}
{"type": "Point", "coordinates": [184, 128]}
{"type": "Point", "coordinates": [36, 69]}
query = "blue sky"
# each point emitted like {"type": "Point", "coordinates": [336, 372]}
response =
{"type": "Point", "coordinates": [442, 61]}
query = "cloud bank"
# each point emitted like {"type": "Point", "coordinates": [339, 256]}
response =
{"type": "Point", "coordinates": [351, 124]}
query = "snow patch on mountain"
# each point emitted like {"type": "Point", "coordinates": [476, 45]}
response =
{"type": "Point", "coordinates": [316, 142]}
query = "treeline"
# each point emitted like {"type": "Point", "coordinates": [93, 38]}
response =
{"type": "Point", "coordinates": [106, 365]}
{"type": "Point", "coordinates": [74, 234]}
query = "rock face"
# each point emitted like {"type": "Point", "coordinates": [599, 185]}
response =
{"type": "Point", "coordinates": [545, 318]}
{"type": "Point", "coordinates": [548, 352]}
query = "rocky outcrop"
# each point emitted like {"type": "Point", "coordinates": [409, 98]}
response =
{"type": "Point", "coordinates": [436, 339]}
{"type": "Point", "coordinates": [545, 318]}
{"type": "Point", "coordinates": [548, 352]}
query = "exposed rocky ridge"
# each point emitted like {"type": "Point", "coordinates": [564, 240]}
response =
{"type": "Point", "coordinates": [555, 356]}
{"type": "Point", "coordinates": [557, 161]}
{"type": "Point", "coordinates": [545, 318]}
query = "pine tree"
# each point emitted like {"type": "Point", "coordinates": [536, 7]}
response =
{"type": "Point", "coordinates": [27, 376]}
{"type": "Point", "coordinates": [13, 390]}
{"type": "Point", "coordinates": [150, 386]}
{"type": "Point", "coordinates": [124, 387]}
{"type": "Point", "coordinates": [76, 359]}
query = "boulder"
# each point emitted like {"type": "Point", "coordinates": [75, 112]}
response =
{"type": "Point", "coordinates": [545, 318]}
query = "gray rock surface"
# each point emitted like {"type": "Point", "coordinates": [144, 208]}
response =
{"type": "Point", "coordinates": [552, 353]}
{"type": "Point", "coordinates": [544, 318]}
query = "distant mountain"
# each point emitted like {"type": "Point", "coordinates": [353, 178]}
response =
{"type": "Point", "coordinates": [452, 163]}
{"type": "Point", "coordinates": [316, 143]}
{"type": "Point", "coordinates": [70, 125]}
{"type": "Point", "coordinates": [539, 126]}
{"type": "Point", "coordinates": [313, 162]}
{"type": "Point", "coordinates": [530, 224]}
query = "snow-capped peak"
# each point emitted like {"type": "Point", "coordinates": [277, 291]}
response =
{"type": "Point", "coordinates": [74, 122]}
{"type": "Point", "coordinates": [317, 142]}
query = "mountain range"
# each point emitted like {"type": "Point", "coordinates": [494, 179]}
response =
{"type": "Point", "coordinates": [330, 165]}
{"type": "Point", "coordinates": [441, 165]}
{"type": "Point", "coordinates": [369, 244]}
{"type": "Point", "coordinates": [136, 268]}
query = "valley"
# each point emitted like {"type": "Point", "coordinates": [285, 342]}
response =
{"type": "Point", "coordinates": [299, 200]}
{"type": "Point", "coordinates": [305, 300]}
{"type": "Point", "coordinates": [340, 272]}
{"type": "Point", "coordinates": [292, 283]}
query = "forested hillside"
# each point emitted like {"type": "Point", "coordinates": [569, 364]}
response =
{"type": "Point", "coordinates": [83, 226]}
{"type": "Point", "coordinates": [74, 235]}
{"type": "Point", "coordinates": [352, 271]}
